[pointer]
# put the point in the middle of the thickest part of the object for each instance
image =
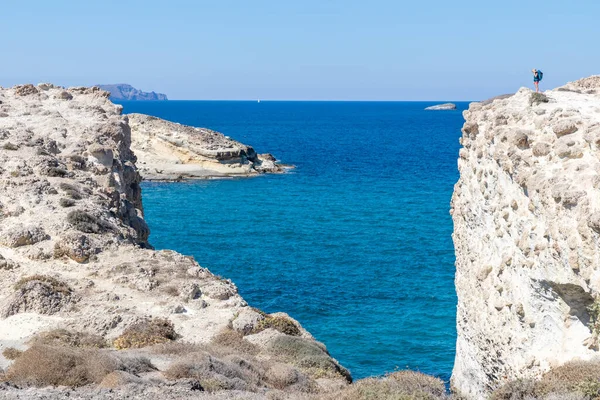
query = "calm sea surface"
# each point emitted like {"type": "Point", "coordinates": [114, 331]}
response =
{"type": "Point", "coordinates": [355, 243]}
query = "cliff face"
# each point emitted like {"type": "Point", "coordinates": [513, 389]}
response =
{"type": "Point", "coordinates": [124, 91]}
{"type": "Point", "coordinates": [526, 214]}
{"type": "Point", "coordinates": [74, 255]}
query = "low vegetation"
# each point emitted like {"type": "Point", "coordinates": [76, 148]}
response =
{"type": "Point", "coordinates": [234, 342]}
{"type": "Point", "coordinates": [573, 380]}
{"type": "Point", "coordinates": [71, 191]}
{"type": "Point", "coordinates": [279, 323]}
{"type": "Point", "coordinates": [538, 98]}
{"type": "Point", "coordinates": [69, 338]}
{"type": "Point", "coordinates": [56, 285]}
{"type": "Point", "coordinates": [401, 385]}
{"type": "Point", "coordinates": [146, 333]}
{"type": "Point", "coordinates": [44, 365]}
{"type": "Point", "coordinates": [10, 353]}
{"type": "Point", "coordinates": [312, 357]}
{"type": "Point", "coordinates": [88, 223]}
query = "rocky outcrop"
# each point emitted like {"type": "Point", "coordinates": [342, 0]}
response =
{"type": "Point", "coordinates": [526, 232]}
{"type": "Point", "coordinates": [442, 107]}
{"type": "Point", "coordinates": [75, 256]}
{"type": "Point", "coordinates": [123, 91]}
{"type": "Point", "coordinates": [171, 151]}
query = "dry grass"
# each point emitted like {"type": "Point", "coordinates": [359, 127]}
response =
{"type": "Point", "coordinates": [87, 223]}
{"type": "Point", "coordinates": [575, 378]}
{"type": "Point", "coordinates": [70, 338]}
{"type": "Point", "coordinates": [312, 357]}
{"type": "Point", "coordinates": [60, 366]}
{"type": "Point", "coordinates": [71, 191]}
{"type": "Point", "coordinates": [234, 342]}
{"type": "Point", "coordinates": [401, 385]}
{"type": "Point", "coordinates": [214, 374]}
{"type": "Point", "coordinates": [171, 291]}
{"type": "Point", "coordinates": [146, 333]}
{"type": "Point", "coordinates": [282, 324]}
{"type": "Point", "coordinates": [56, 285]}
{"type": "Point", "coordinates": [10, 353]}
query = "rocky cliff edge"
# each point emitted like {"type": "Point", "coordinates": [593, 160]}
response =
{"type": "Point", "coordinates": [526, 214]}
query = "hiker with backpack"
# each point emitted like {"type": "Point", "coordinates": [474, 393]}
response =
{"type": "Point", "coordinates": [537, 77]}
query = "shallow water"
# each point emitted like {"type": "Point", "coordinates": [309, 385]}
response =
{"type": "Point", "coordinates": [355, 243]}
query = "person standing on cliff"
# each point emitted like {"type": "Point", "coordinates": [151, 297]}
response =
{"type": "Point", "coordinates": [537, 77]}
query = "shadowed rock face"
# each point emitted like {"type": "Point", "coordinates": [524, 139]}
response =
{"type": "Point", "coordinates": [526, 235]}
{"type": "Point", "coordinates": [74, 250]}
{"type": "Point", "coordinates": [123, 91]}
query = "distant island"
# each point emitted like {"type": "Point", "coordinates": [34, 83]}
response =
{"type": "Point", "coordinates": [441, 107]}
{"type": "Point", "coordinates": [123, 91]}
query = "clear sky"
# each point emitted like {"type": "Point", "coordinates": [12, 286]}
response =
{"type": "Point", "coordinates": [304, 49]}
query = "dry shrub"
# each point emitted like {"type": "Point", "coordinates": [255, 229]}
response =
{"type": "Point", "coordinates": [575, 378]}
{"type": "Point", "coordinates": [171, 291]}
{"type": "Point", "coordinates": [66, 202]}
{"type": "Point", "coordinates": [282, 324]}
{"type": "Point", "coordinates": [307, 354]}
{"type": "Point", "coordinates": [234, 342]}
{"type": "Point", "coordinates": [176, 348]}
{"type": "Point", "coordinates": [285, 377]}
{"type": "Point", "coordinates": [10, 353]}
{"type": "Point", "coordinates": [56, 285]}
{"type": "Point", "coordinates": [63, 337]}
{"type": "Point", "coordinates": [146, 333]}
{"type": "Point", "coordinates": [538, 98]}
{"type": "Point", "coordinates": [214, 374]}
{"type": "Point", "coordinates": [87, 223]}
{"type": "Point", "coordinates": [71, 191]}
{"type": "Point", "coordinates": [42, 365]}
{"type": "Point", "coordinates": [402, 385]}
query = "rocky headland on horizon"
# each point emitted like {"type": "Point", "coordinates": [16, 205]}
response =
{"type": "Point", "coordinates": [123, 91]}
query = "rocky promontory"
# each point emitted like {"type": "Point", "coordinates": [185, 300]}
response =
{"type": "Point", "coordinates": [171, 151]}
{"type": "Point", "coordinates": [87, 307]}
{"type": "Point", "coordinates": [526, 214]}
{"type": "Point", "coordinates": [123, 91]}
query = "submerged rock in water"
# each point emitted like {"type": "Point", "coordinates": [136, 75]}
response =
{"type": "Point", "coordinates": [441, 107]}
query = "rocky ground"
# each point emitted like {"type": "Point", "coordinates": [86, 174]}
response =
{"type": "Point", "coordinates": [86, 301]}
{"type": "Point", "coordinates": [526, 214]}
{"type": "Point", "coordinates": [170, 151]}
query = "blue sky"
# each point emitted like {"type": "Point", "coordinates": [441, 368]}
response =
{"type": "Point", "coordinates": [309, 49]}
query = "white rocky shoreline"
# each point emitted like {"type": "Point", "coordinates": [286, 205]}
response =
{"type": "Point", "coordinates": [76, 267]}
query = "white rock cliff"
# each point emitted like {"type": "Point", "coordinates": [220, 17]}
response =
{"type": "Point", "coordinates": [74, 252]}
{"type": "Point", "coordinates": [526, 214]}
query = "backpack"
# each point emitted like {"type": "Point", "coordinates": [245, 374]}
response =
{"type": "Point", "coordinates": [540, 75]}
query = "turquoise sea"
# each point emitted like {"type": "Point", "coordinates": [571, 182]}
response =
{"type": "Point", "coordinates": [355, 242]}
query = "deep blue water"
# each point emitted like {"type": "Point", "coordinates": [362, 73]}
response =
{"type": "Point", "coordinates": [355, 243]}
